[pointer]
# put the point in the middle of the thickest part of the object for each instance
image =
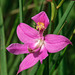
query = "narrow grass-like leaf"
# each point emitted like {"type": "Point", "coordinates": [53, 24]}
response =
{"type": "Point", "coordinates": [40, 70]}
{"type": "Point", "coordinates": [60, 4]}
{"type": "Point", "coordinates": [36, 4]}
{"type": "Point", "coordinates": [64, 17]}
{"type": "Point", "coordinates": [46, 68]}
{"type": "Point", "coordinates": [42, 6]}
{"type": "Point", "coordinates": [34, 69]}
{"type": "Point", "coordinates": [10, 61]}
{"type": "Point", "coordinates": [7, 21]}
{"type": "Point", "coordinates": [15, 26]}
{"type": "Point", "coordinates": [12, 70]}
{"type": "Point", "coordinates": [70, 30]}
{"type": "Point", "coordinates": [3, 4]}
{"type": "Point", "coordinates": [12, 31]}
{"type": "Point", "coordinates": [2, 47]}
{"type": "Point", "coordinates": [21, 10]}
{"type": "Point", "coordinates": [8, 18]}
{"type": "Point", "coordinates": [62, 67]}
{"type": "Point", "coordinates": [49, 15]}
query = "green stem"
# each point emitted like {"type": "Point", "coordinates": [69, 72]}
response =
{"type": "Point", "coordinates": [3, 65]}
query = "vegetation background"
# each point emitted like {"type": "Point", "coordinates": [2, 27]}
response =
{"type": "Point", "coordinates": [62, 21]}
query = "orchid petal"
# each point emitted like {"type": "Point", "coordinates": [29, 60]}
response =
{"type": "Point", "coordinates": [17, 48]}
{"type": "Point", "coordinates": [43, 54]}
{"type": "Point", "coordinates": [29, 61]}
{"type": "Point", "coordinates": [55, 43]}
{"type": "Point", "coordinates": [41, 17]}
{"type": "Point", "coordinates": [26, 33]}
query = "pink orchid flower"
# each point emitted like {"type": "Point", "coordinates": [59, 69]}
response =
{"type": "Point", "coordinates": [35, 43]}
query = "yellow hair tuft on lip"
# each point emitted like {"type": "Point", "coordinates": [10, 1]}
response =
{"type": "Point", "coordinates": [40, 26]}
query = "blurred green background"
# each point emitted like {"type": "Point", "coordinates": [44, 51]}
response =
{"type": "Point", "coordinates": [11, 19]}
